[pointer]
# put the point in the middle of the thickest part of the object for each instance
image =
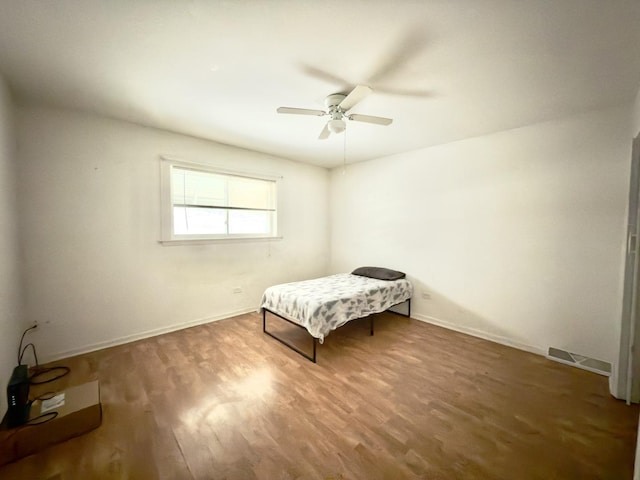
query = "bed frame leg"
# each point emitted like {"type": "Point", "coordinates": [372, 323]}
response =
{"type": "Point", "coordinates": [315, 343]}
{"type": "Point", "coordinates": [292, 347]}
{"type": "Point", "coordinates": [408, 314]}
{"type": "Point", "coordinates": [372, 325]}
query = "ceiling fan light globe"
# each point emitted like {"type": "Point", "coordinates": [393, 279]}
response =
{"type": "Point", "coordinates": [337, 126]}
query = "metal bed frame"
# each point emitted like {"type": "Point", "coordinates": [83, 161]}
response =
{"type": "Point", "coordinates": [315, 340]}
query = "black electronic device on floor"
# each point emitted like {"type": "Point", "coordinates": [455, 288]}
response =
{"type": "Point", "coordinates": [18, 397]}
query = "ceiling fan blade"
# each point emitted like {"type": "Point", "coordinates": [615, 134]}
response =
{"type": "Point", "coordinates": [370, 119]}
{"type": "Point", "coordinates": [301, 111]}
{"type": "Point", "coordinates": [324, 134]}
{"type": "Point", "coordinates": [324, 75]}
{"type": "Point", "coordinates": [408, 48]}
{"type": "Point", "coordinates": [356, 95]}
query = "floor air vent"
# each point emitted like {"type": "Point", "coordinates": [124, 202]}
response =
{"type": "Point", "coordinates": [580, 361]}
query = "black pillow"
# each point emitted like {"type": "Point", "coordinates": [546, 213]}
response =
{"type": "Point", "coordinates": [379, 272]}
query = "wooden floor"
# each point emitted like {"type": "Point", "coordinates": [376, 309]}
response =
{"type": "Point", "coordinates": [225, 401]}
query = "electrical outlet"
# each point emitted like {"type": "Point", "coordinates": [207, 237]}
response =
{"type": "Point", "coordinates": [237, 290]}
{"type": "Point", "coordinates": [426, 295]}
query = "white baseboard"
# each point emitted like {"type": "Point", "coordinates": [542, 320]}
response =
{"type": "Point", "coordinates": [480, 334]}
{"type": "Point", "coordinates": [142, 335]}
{"type": "Point", "coordinates": [200, 321]}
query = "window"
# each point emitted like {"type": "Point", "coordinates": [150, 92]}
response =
{"type": "Point", "coordinates": [203, 203]}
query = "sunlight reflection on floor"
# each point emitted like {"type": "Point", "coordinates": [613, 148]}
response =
{"type": "Point", "coordinates": [244, 395]}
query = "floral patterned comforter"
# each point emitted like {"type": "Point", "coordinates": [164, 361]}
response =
{"type": "Point", "coordinates": [324, 304]}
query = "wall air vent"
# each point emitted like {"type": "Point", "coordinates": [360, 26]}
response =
{"type": "Point", "coordinates": [580, 361]}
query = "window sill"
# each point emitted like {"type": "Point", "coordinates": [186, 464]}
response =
{"type": "Point", "coordinates": [209, 241]}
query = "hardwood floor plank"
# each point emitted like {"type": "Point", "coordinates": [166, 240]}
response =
{"type": "Point", "coordinates": [225, 401]}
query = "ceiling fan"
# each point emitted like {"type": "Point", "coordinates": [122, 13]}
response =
{"type": "Point", "coordinates": [406, 51]}
{"type": "Point", "coordinates": [338, 106]}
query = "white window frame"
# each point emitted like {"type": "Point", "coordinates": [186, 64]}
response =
{"type": "Point", "coordinates": [168, 237]}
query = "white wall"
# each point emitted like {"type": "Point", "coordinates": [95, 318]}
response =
{"type": "Point", "coordinates": [10, 281]}
{"type": "Point", "coordinates": [516, 236]}
{"type": "Point", "coordinates": [91, 224]}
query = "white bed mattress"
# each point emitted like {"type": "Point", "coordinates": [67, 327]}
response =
{"type": "Point", "coordinates": [324, 304]}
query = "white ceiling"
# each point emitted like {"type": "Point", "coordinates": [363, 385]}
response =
{"type": "Point", "coordinates": [219, 69]}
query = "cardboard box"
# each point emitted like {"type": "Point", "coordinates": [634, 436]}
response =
{"type": "Point", "coordinates": [80, 412]}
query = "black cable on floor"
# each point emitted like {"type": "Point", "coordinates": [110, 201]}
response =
{"type": "Point", "coordinates": [39, 372]}
{"type": "Point", "coordinates": [42, 371]}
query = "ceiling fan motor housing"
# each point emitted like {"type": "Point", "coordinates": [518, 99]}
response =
{"type": "Point", "coordinates": [334, 100]}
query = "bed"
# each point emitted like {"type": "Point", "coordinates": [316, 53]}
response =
{"type": "Point", "coordinates": [324, 304]}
